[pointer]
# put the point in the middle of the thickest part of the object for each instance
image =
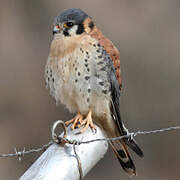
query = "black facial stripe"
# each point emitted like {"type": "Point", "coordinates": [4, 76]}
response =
{"type": "Point", "coordinates": [66, 33]}
{"type": "Point", "coordinates": [54, 32]}
{"type": "Point", "coordinates": [91, 25]}
{"type": "Point", "coordinates": [80, 29]}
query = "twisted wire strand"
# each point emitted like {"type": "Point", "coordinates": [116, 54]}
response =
{"type": "Point", "coordinates": [19, 154]}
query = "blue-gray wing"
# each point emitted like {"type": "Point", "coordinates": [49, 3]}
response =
{"type": "Point", "coordinates": [115, 103]}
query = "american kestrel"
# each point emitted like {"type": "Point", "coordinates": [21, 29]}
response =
{"type": "Point", "coordinates": [83, 73]}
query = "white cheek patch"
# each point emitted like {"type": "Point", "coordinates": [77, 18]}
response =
{"type": "Point", "coordinates": [73, 30]}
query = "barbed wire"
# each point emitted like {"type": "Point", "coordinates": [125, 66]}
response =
{"type": "Point", "coordinates": [19, 154]}
{"type": "Point", "coordinates": [58, 140]}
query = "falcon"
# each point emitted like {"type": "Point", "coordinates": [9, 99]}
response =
{"type": "Point", "coordinates": [83, 73]}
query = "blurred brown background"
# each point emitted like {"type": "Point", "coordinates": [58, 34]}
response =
{"type": "Point", "coordinates": [148, 36]}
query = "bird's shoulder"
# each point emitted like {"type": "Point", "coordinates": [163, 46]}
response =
{"type": "Point", "coordinates": [111, 50]}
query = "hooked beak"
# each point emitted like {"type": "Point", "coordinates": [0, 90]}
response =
{"type": "Point", "coordinates": [57, 29]}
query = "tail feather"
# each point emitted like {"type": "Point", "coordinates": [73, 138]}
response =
{"type": "Point", "coordinates": [123, 156]}
{"type": "Point", "coordinates": [131, 143]}
{"type": "Point", "coordinates": [124, 131]}
{"type": "Point", "coordinates": [119, 146]}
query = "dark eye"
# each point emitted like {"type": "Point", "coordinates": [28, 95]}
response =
{"type": "Point", "coordinates": [68, 24]}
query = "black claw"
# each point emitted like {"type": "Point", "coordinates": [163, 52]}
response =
{"type": "Point", "coordinates": [94, 130]}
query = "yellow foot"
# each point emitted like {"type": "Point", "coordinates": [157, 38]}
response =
{"type": "Point", "coordinates": [87, 122]}
{"type": "Point", "coordinates": [78, 119]}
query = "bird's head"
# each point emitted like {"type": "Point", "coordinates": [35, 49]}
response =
{"type": "Point", "coordinates": [72, 22]}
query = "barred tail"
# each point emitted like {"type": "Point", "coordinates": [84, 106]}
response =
{"type": "Point", "coordinates": [131, 143]}
{"type": "Point", "coordinates": [123, 156]}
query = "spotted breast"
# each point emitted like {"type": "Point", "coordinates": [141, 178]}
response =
{"type": "Point", "coordinates": [79, 79]}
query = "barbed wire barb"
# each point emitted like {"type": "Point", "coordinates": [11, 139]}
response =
{"type": "Point", "coordinates": [19, 154]}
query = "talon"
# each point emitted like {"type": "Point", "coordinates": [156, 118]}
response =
{"type": "Point", "coordinates": [69, 122]}
{"type": "Point", "coordinates": [88, 122]}
{"type": "Point", "coordinates": [78, 121]}
{"type": "Point", "coordinates": [75, 121]}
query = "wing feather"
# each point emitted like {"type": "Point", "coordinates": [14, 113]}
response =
{"type": "Point", "coordinates": [115, 106]}
{"type": "Point", "coordinates": [111, 50]}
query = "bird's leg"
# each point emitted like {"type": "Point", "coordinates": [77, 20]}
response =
{"type": "Point", "coordinates": [75, 121]}
{"type": "Point", "coordinates": [87, 122]}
